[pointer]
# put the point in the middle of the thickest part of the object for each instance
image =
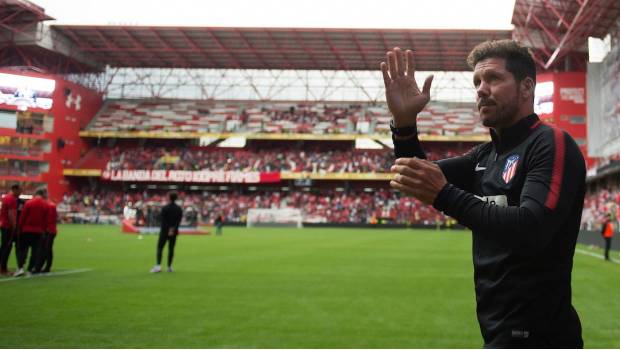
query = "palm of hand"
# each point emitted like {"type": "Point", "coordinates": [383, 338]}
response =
{"type": "Point", "coordinates": [404, 99]}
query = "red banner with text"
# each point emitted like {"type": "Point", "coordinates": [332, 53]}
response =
{"type": "Point", "coordinates": [201, 176]}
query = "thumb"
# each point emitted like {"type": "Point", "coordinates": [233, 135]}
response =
{"type": "Point", "coordinates": [426, 89]}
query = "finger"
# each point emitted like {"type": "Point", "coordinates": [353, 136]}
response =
{"type": "Point", "coordinates": [414, 163]}
{"type": "Point", "coordinates": [426, 89]}
{"type": "Point", "coordinates": [400, 61]}
{"type": "Point", "coordinates": [392, 64]}
{"type": "Point", "coordinates": [429, 165]}
{"type": "Point", "coordinates": [407, 171]}
{"type": "Point", "coordinates": [410, 66]}
{"type": "Point", "coordinates": [413, 182]}
{"type": "Point", "coordinates": [402, 188]}
{"type": "Point", "coordinates": [386, 76]}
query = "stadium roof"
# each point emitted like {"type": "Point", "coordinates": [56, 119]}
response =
{"type": "Point", "coordinates": [273, 48]}
{"type": "Point", "coordinates": [15, 14]}
{"type": "Point", "coordinates": [557, 28]}
{"type": "Point", "coordinates": [555, 16]}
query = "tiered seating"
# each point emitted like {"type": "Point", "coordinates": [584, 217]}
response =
{"type": "Point", "coordinates": [302, 118]}
{"type": "Point", "coordinates": [277, 117]}
{"type": "Point", "coordinates": [264, 160]}
{"type": "Point", "coordinates": [447, 119]}
{"type": "Point", "coordinates": [171, 116]}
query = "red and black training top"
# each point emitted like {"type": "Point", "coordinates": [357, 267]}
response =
{"type": "Point", "coordinates": [34, 216]}
{"type": "Point", "coordinates": [9, 203]}
{"type": "Point", "coordinates": [522, 196]}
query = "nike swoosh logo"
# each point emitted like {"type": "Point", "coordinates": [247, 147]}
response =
{"type": "Point", "coordinates": [480, 168]}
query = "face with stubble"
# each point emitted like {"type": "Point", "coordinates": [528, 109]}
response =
{"type": "Point", "coordinates": [497, 93]}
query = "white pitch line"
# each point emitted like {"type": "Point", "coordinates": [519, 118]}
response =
{"type": "Point", "coordinates": [585, 252]}
{"type": "Point", "coordinates": [50, 274]}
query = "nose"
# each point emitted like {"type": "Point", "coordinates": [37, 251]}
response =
{"type": "Point", "coordinates": [483, 90]}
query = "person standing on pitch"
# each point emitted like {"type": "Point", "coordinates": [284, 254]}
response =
{"type": "Point", "coordinates": [47, 250]}
{"type": "Point", "coordinates": [171, 215]}
{"type": "Point", "coordinates": [219, 223]}
{"type": "Point", "coordinates": [32, 226]}
{"type": "Point", "coordinates": [607, 232]}
{"type": "Point", "coordinates": [521, 194]}
{"type": "Point", "coordinates": [9, 216]}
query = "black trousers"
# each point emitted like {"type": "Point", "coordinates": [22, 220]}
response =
{"type": "Point", "coordinates": [6, 245]}
{"type": "Point", "coordinates": [607, 247]}
{"type": "Point", "coordinates": [29, 241]}
{"type": "Point", "coordinates": [47, 253]}
{"type": "Point", "coordinates": [172, 240]}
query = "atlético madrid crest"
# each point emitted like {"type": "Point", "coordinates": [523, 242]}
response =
{"type": "Point", "coordinates": [510, 168]}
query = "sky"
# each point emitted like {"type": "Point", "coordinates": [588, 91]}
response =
{"type": "Point", "coordinates": [398, 14]}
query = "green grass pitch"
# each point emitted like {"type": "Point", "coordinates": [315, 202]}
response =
{"type": "Point", "coordinates": [273, 288]}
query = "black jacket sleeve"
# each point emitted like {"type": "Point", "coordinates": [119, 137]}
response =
{"type": "Point", "coordinates": [555, 175]}
{"type": "Point", "coordinates": [408, 148]}
{"type": "Point", "coordinates": [457, 170]}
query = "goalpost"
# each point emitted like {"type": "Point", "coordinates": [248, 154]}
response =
{"type": "Point", "coordinates": [275, 217]}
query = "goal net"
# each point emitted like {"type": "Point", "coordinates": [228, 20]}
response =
{"type": "Point", "coordinates": [275, 217]}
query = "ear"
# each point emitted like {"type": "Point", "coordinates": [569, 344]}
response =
{"type": "Point", "coordinates": [527, 88]}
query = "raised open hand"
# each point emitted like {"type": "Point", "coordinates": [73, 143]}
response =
{"type": "Point", "coordinates": [404, 98]}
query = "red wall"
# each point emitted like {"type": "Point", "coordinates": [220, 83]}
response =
{"type": "Point", "coordinates": [68, 119]}
{"type": "Point", "coordinates": [569, 102]}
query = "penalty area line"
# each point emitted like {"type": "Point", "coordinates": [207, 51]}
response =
{"type": "Point", "coordinates": [49, 274]}
{"type": "Point", "coordinates": [585, 252]}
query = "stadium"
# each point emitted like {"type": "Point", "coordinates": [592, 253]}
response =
{"type": "Point", "coordinates": [284, 134]}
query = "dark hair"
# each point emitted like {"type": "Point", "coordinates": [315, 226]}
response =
{"type": "Point", "coordinates": [519, 60]}
{"type": "Point", "coordinates": [173, 195]}
{"type": "Point", "coordinates": [15, 187]}
{"type": "Point", "coordinates": [41, 191]}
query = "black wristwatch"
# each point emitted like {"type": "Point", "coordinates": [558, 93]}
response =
{"type": "Point", "coordinates": [404, 131]}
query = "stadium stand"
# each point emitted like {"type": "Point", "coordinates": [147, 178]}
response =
{"type": "Point", "coordinates": [276, 117]}
{"type": "Point", "coordinates": [436, 119]}
{"type": "Point", "coordinates": [13, 146]}
{"type": "Point", "coordinates": [257, 159]}
{"type": "Point", "coordinates": [20, 168]}
{"type": "Point", "coordinates": [598, 204]}
{"type": "Point", "coordinates": [319, 206]}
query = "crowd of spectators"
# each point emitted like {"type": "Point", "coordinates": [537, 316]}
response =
{"type": "Point", "coordinates": [265, 160]}
{"type": "Point", "coordinates": [598, 204]}
{"type": "Point", "coordinates": [302, 118]}
{"type": "Point", "coordinates": [328, 206]}
{"type": "Point", "coordinates": [278, 117]}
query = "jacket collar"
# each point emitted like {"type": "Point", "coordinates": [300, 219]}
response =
{"type": "Point", "coordinates": [513, 135]}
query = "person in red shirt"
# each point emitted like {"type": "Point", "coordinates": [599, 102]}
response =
{"type": "Point", "coordinates": [32, 227]}
{"type": "Point", "coordinates": [50, 236]}
{"type": "Point", "coordinates": [607, 232]}
{"type": "Point", "coordinates": [8, 225]}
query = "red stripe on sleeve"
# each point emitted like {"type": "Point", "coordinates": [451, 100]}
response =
{"type": "Point", "coordinates": [558, 170]}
